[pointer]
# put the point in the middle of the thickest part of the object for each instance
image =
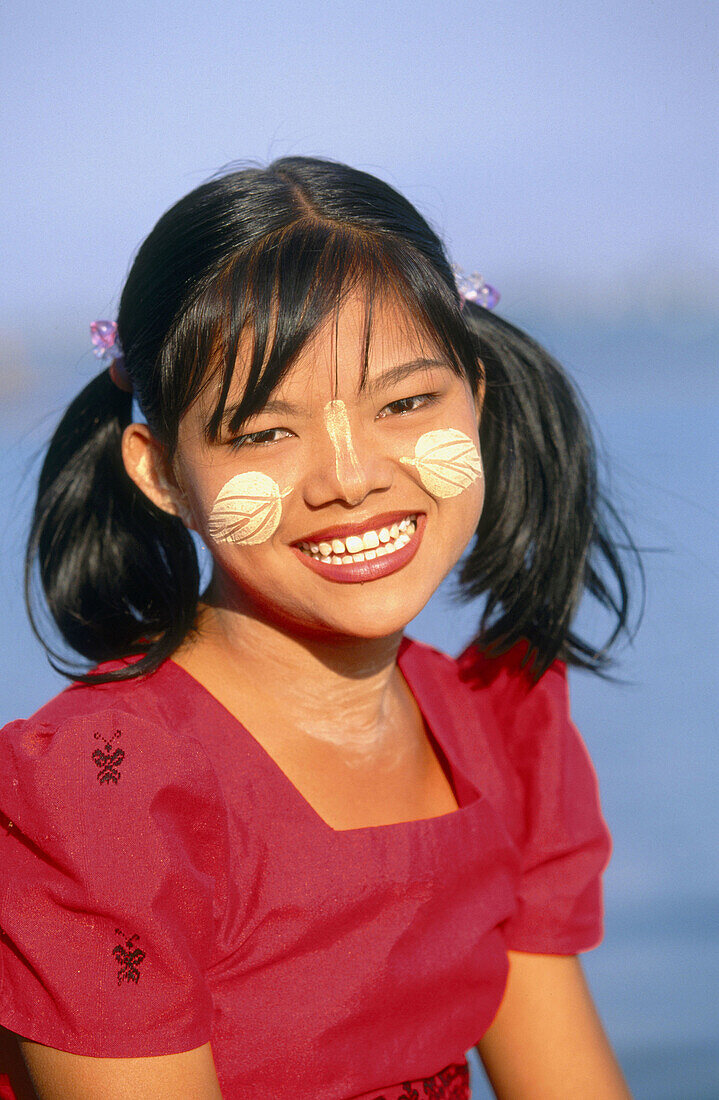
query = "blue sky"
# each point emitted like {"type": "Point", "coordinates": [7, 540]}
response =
{"type": "Point", "coordinates": [568, 151]}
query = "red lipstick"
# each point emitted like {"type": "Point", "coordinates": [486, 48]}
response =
{"type": "Point", "coordinates": [362, 571]}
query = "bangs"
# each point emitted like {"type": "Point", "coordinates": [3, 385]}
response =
{"type": "Point", "coordinates": [276, 296]}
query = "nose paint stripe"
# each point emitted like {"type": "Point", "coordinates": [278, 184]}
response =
{"type": "Point", "coordinates": [338, 428]}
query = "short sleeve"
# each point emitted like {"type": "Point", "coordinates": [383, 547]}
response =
{"type": "Point", "coordinates": [564, 841]}
{"type": "Point", "coordinates": [113, 848]}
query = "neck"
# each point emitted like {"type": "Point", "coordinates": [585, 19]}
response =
{"type": "Point", "coordinates": [344, 691]}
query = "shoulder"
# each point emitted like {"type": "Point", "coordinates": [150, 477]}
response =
{"type": "Point", "coordinates": [143, 708]}
{"type": "Point", "coordinates": [144, 698]}
{"type": "Point", "coordinates": [514, 736]}
{"type": "Point", "coordinates": [102, 755]}
{"type": "Point", "coordinates": [510, 731]}
{"type": "Point", "coordinates": [498, 684]}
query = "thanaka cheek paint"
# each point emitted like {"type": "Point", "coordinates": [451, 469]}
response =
{"type": "Point", "coordinates": [347, 464]}
{"type": "Point", "coordinates": [447, 462]}
{"type": "Point", "coordinates": [247, 510]}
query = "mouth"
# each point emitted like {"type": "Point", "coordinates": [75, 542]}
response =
{"type": "Point", "coordinates": [369, 553]}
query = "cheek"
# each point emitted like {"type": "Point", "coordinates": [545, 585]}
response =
{"type": "Point", "coordinates": [447, 462]}
{"type": "Point", "coordinates": [247, 510]}
{"type": "Point", "coordinates": [477, 504]}
{"type": "Point", "coordinates": [466, 509]}
{"type": "Point", "coordinates": [458, 519]}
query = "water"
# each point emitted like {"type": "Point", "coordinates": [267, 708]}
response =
{"type": "Point", "coordinates": [654, 741]}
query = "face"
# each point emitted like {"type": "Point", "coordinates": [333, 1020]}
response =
{"type": "Point", "coordinates": [338, 512]}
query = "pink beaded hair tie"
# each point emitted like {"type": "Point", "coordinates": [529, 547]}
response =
{"type": "Point", "coordinates": [108, 350]}
{"type": "Point", "coordinates": [472, 288]}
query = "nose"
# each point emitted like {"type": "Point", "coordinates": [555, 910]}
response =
{"type": "Point", "coordinates": [344, 466]}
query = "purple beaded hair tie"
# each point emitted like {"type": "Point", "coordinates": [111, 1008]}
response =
{"type": "Point", "coordinates": [108, 350]}
{"type": "Point", "coordinates": [472, 288]}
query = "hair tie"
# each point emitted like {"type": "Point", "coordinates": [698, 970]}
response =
{"type": "Point", "coordinates": [472, 288]}
{"type": "Point", "coordinates": [108, 350]}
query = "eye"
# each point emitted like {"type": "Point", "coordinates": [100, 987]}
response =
{"type": "Point", "coordinates": [258, 439]}
{"type": "Point", "coordinates": [409, 404]}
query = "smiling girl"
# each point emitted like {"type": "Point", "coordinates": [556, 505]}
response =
{"type": "Point", "coordinates": [268, 846]}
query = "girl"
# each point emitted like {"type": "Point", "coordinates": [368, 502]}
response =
{"type": "Point", "coordinates": [268, 846]}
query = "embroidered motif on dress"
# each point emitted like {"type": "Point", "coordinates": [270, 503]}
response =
{"type": "Point", "coordinates": [108, 761]}
{"type": "Point", "coordinates": [129, 958]}
{"type": "Point", "coordinates": [451, 1083]}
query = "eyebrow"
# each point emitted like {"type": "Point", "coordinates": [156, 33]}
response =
{"type": "Point", "coordinates": [394, 375]}
{"type": "Point", "coordinates": [277, 405]}
{"type": "Point", "coordinates": [273, 405]}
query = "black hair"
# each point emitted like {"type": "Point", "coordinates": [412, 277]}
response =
{"type": "Point", "coordinates": [548, 532]}
{"type": "Point", "coordinates": [273, 252]}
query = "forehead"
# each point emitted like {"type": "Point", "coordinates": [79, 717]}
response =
{"type": "Point", "coordinates": [350, 350]}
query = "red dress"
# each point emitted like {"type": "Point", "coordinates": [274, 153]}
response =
{"type": "Point", "coordinates": [163, 884]}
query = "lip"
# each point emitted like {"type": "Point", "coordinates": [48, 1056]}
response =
{"type": "Point", "coordinates": [362, 571]}
{"type": "Point", "coordinates": [372, 523]}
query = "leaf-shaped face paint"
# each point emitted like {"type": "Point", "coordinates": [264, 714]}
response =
{"type": "Point", "coordinates": [447, 462]}
{"type": "Point", "coordinates": [247, 510]}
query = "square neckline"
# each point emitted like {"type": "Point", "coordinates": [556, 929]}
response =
{"type": "Point", "coordinates": [465, 792]}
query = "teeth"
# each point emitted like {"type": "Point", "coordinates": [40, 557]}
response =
{"type": "Point", "coordinates": [367, 547]}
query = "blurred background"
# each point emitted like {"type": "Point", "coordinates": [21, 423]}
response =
{"type": "Point", "coordinates": [566, 151]}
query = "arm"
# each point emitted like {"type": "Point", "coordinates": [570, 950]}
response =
{"type": "Point", "coordinates": [547, 1041]}
{"type": "Point", "coordinates": [57, 1075]}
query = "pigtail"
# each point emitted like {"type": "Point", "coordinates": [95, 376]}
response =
{"type": "Point", "coordinates": [120, 576]}
{"type": "Point", "coordinates": [547, 532]}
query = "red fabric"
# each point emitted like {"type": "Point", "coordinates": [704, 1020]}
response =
{"type": "Point", "coordinates": [163, 883]}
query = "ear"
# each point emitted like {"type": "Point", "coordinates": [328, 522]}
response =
{"type": "Point", "coordinates": [146, 463]}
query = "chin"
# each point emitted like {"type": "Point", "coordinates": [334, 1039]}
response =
{"type": "Point", "coordinates": [370, 623]}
